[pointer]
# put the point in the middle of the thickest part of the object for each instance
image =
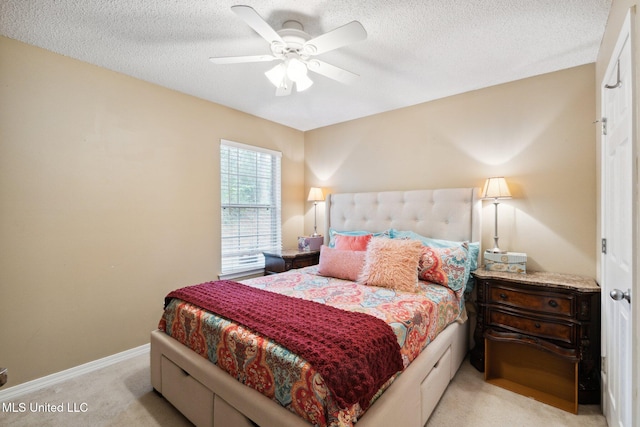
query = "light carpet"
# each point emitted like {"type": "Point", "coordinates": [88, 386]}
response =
{"type": "Point", "coordinates": [121, 395]}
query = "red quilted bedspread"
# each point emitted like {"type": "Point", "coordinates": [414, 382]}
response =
{"type": "Point", "coordinates": [354, 352]}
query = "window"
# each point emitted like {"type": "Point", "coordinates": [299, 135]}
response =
{"type": "Point", "coordinates": [250, 189]}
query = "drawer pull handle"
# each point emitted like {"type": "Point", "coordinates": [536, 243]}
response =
{"type": "Point", "coordinates": [537, 325]}
{"type": "Point", "coordinates": [553, 303]}
{"type": "Point", "coordinates": [503, 296]}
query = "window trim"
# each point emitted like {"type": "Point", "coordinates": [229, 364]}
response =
{"type": "Point", "coordinates": [250, 147]}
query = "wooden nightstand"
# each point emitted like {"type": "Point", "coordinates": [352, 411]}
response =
{"type": "Point", "coordinates": [285, 260]}
{"type": "Point", "coordinates": [538, 334]}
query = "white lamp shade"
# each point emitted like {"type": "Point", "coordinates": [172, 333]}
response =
{"type": "Point", "coordinates": [315, 195]}
{"type": "Point", "coordinates": [276, 74]}
{"type": "Point", "coordinates": [303, 83]}
{"type": "Point", "coordinates": [496, 188]}
{"type": "Point", "coordinates": [296, 69]}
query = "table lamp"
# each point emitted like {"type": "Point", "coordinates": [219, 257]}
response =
{"type": "Point", "coordinates": [496, 188]}
{"type": "Point", "coordinates": [315, 196]}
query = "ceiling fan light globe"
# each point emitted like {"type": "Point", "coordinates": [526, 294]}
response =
{"type": "Point", "coordinates": [303, 83]}
{"type": "Point", "coordinates": [296, 69]}
{"type": "Point", "coordinates": [276, 74]}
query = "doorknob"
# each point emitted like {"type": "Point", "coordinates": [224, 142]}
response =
{"type": "Point", "coordinates": [617, 295]}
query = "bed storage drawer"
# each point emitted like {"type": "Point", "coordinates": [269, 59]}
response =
{"type": "Point", "coordinates": [433, 386]}
{"type": "Point", "coordinates": [226, 415]}
{"type": "Point", "coordinates": [187, 394]}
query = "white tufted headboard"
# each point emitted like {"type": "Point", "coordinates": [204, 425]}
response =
{"type": "Point", "coordinates": [450, 214]}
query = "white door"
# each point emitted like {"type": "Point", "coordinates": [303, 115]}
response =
{"type": "Point", "coordinates": [617, 229]}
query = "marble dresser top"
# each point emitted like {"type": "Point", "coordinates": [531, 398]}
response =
{"type": "Point", "coordinates": [554, 280]}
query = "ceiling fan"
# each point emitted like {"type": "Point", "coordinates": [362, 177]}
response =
{"type": "Point", "coordinates": [296, 51]}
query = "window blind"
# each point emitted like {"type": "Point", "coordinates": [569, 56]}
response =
{"type": "Point", "coordinates": [251, 206]}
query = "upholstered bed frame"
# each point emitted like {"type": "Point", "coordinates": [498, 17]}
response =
{"type": "Point", "coordinates": [210, 397]}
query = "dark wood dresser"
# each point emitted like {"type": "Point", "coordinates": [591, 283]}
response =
{"type": "Point", "coordinates": [538, 334]}
{"type": "Point", "coordinates": [285, 260]}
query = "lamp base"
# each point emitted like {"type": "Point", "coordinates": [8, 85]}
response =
{"type": "Point", "coordinates": [496, 250]}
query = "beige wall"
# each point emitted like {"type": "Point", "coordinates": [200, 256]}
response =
{"type": "Point", "coordinates": [109, 197]}
{"type": "Point", "coordinates": [537, 132]}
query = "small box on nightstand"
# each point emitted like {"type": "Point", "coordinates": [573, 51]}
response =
{"type": "Point", "coordinates": [509, 262]}
{"type": "Point", "coordinates": [310, 243]}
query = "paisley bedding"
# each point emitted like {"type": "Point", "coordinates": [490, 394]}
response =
{"type": "Point", "coordinates": [254, 360]}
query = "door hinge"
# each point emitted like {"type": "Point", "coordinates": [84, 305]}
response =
{"type": "Point", "coordinates": [604, 246]}
{"type": "Point", "coordinates": [604, 125]}
{"type": "Point", "coordinates": [603, 364]}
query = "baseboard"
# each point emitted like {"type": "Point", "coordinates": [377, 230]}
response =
{"type": "Point", "coordinates": [58, 377]}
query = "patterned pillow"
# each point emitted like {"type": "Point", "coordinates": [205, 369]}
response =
{"type": "Point", "coordinates": [340, 264]}
{"type": "Point", "coordinates": [392, 264]}
{"type": "Point", "coordinates": [474, 247]}
{"type": "Point", "coordinates": [445, 266]}
{"type": "Point", "coordinates": [352, 243]}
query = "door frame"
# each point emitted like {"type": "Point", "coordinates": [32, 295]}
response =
{"type": "Point", "coordinates": [628, 26]}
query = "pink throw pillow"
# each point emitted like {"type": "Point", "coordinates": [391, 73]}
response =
{"type": "Point", "coordinates": [340, 264]}
{"type": "Point", "coordinates": [352, 243]}
{"type": "Point", "coordinates": [392, 263]}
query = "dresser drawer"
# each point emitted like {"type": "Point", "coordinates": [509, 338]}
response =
{"type": "Point", "coordinates": [546, 303]}
{"type": "Point", "coordinates": [564, 332]}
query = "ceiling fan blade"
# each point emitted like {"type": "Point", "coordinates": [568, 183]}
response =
{"type": "Point", "coordinates": [341, 36]}
{"type": "Point", "coordinates": [241, 59]}
{"type": "Point", "coordinates": [331, 71]}
{"type": "Point", "coordinates": [255, 21]}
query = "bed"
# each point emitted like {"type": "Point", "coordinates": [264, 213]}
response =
{"type": "Point", "coordinates": [209, 396]}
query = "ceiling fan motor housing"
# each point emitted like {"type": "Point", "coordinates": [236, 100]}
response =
{"type": "Point", "coordinates": [293, 34]}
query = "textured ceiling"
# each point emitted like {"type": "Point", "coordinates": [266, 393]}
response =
{"type": "Point", "coordinates": [416, 50]}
